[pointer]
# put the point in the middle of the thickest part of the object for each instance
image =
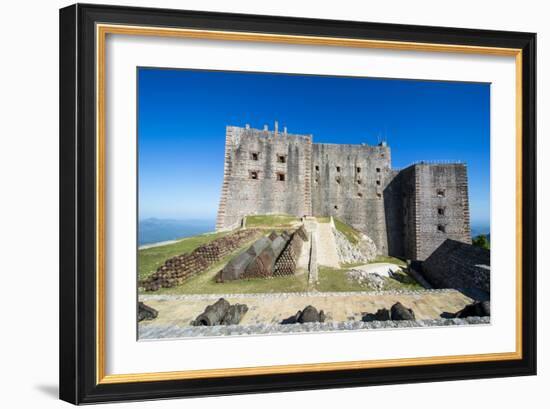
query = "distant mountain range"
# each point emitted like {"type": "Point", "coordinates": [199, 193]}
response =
{"type": "Point", "coordinates": [154, 230]}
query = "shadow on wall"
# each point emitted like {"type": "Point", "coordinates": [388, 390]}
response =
{"type": "Point", "coordinates": [393, 211]}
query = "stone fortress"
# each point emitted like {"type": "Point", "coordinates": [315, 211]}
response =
{"type": "Point", "coordinates": [408, 213]}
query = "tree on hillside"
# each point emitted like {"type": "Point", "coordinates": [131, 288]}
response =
{"type": "Point", "coordinates": [481, 241]}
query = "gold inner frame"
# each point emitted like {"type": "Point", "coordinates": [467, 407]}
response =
{"type": "Point", "coordinates": [101, 33]}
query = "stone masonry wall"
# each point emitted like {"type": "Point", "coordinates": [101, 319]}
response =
{"type": "Point", "coordinates": [458, 265]}
{"type": "Point", "coordinates": [407, 213]}
{"type": "Point", "coordinates": [266, 172]}
{"type": "Point", "coordinates": [442, 211]}
{"type": "Point", "coordinates": [348, 183]}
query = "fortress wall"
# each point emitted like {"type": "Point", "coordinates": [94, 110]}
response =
{"type": "Point", "coordinates": [251, 182]}
{"type": "Point", "coordinates": [407, 213]}
{"type": "Point", "coordinates": [337, 192]}
{"type": "Point", "coordinates": [396, 211]}
{"type": "Point", "coordinates": [442, 211]}
{"type": "Point", "coordinates": [458, 265]}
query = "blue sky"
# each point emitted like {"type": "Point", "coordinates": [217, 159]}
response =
{"type": "Point", "coordinates": [182, 116]}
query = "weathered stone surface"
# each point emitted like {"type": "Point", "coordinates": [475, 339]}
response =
{"type": "Point", "coordinates": [350, 253]}
{"type": "Point", "coordinates": [145, 312]}
{"type": "Point", "coordinates": [476, 309]}
{"type": "Point", "coordinates": [458, 265]}
{"type": "Point", "coordinates": [400, 313]}
{"type": "Point", "coordinates": [407, 213]}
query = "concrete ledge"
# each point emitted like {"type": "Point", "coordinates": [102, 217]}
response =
{"type": "Point", "coordinates": [173, 331]}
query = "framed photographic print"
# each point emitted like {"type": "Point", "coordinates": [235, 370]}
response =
{"type": "Point", "coordinates": [258, 203]}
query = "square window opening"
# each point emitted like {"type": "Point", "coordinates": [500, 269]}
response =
{"type": "Point", "coordinates": [281, 158]}
{"type": "Point", "coordinates": [281, 177]}
{"type": "Point", "coordinates": [441, 228]}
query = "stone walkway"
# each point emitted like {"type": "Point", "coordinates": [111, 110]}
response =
{"type": "Point", "coordinates": [180, 310]}
{"type": "Point", "coordinates": [327, 254]}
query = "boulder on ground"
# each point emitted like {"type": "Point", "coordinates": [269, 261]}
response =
{"type": "Point", "coordinates": [476, 309]}
{"type": "Point", "coordinates": [401, 313]}
{"type": "Point", "coordinates": [145, 312]}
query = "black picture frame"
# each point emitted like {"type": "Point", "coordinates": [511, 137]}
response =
{"type": "Point", "coordinates": [78, 359]}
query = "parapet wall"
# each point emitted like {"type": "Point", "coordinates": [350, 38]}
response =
{"type": "Point", "coordinates": [458, 265]}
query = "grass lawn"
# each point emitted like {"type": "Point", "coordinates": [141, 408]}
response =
{"type": "Point", "coordinates": [351, 234]}
{"type": "Point", "coordinates": [323, 219]}
{"type": "Point", "coordinates": [272, 220]}
{"type": "Point", "coordinates": [334, 279]}
{"type": "Point", "coordinates": [150, 259]}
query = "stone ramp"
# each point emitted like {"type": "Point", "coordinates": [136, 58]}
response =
{"type": "Point", "coordinates": [327, 253]}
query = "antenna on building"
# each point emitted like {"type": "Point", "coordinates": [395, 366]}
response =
{"type": "Point", "coordinates": [276, 127]}
{"type": "Point", "coordinates": [284, 130]}
{"type": "Point", "coordinates": [265, 127]}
